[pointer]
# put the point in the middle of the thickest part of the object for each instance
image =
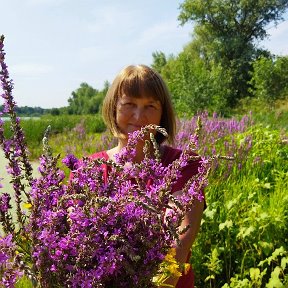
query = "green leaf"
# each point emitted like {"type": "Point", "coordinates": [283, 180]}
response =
{"type": "Point", "coordinates": [227, 224]}
{"type": "Point", "coordinates": [210, 213]}
{"type": "Point", "coordinates": [254, 273]}
{"type": "Point", "coordinates": [274, 281]}
{"type": "Point", "coordinates": [267, 186]}
{"type": "Point", "coordinates": [284, 262]}
{"type": "Point", "coordinates": [245, 231]}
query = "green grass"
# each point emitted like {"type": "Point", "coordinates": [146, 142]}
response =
{"type": "Point", "coordinates": [34, 128]}
{"type": "Point", "coordinates": [24, 282]}
{"type": "Point", "coordinates": [273, 115]}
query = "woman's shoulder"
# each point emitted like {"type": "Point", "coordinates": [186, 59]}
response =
{"type": "Point", "coordinates": [98, 155]}
{"type": "Point", "coordinates": [169, 154]}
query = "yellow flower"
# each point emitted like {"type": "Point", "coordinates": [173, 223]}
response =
{"type": "Point", "coordinates": [173, 268]}
{"type": "Point", "coordinates": [169, 268]}
{"type": "Point", "coordinates": [186, 267]}
{"type": "Point", "coordinates": [27, 205]}
{"type": "Point", "coordinates": [170, 257]}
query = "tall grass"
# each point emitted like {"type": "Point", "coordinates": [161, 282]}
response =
{"type": "Point", "coordinates": [34, 128]}
{"type": "Point", "coordinates": [271, 114]}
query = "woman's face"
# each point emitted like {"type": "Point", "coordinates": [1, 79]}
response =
{"type": "Point", "coordinates": [133, 113]}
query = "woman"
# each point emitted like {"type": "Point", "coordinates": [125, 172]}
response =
{"type": "Point", "coordinates": [137, 97]}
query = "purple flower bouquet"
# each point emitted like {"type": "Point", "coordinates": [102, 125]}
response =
{"type": "Point", "coordinates": [87, 232]}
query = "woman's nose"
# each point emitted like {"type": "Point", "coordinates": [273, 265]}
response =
{"type": "Point", "coordinates": [138, 113]}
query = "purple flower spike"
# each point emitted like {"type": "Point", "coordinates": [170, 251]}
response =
{"type": "Point", "coordinates": [5, 202]}
{"type": "Point", "coordinates": [71, 161]}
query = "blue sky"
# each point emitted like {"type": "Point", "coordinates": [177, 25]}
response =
{"type": "Point", "coordinates": [54, 45]}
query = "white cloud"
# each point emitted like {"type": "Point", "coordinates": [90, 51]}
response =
{"type": "Point", "coordinates": [30, 70]}
{"type": "Point", "coordinates": [281, 30]}
{"type": "Point", "coordinates": [277, 43]}
{"type": "Point", "coordinates": [44, 2]}
{"type": "Point", "coordinates": [165, 36]}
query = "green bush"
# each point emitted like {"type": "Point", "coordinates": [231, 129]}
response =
{"type": "Point", "coordinates": [246, 220]}
{"type": "Point", "coordinates": [270, 78]}
{"type": "Point", "coordinates": [195, 87]}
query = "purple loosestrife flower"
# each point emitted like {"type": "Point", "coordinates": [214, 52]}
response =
{"type": "Point", "coordinates": [5, 214]}
{"type": "Point", "coordinates": [5, 202]}
{"type": "Point", "coordinates": [9, 270]}
{"type": "Point", "coordinates": [14, 149]}
{"type": "Point", "coordinates": [70, 161]}
{"type": "Point", "coordinates": [218, 136]}
{"type": "Point", "coordinates": [112, 234]}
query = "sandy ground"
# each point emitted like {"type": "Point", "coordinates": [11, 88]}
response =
{"type": "Point", "coordinates": [7, 187]}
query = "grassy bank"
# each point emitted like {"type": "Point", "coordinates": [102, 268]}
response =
{"type": "Point", "coordinates": [60, 125]}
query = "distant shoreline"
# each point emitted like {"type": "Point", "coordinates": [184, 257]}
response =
{"type": "Point", "coordinates": [22, 118]}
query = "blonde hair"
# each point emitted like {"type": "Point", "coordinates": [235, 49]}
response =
{"type": "Point", "coordinates": [138, 81]}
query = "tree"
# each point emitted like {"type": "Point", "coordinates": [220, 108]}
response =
{"type": "Point", "coordinates": [270, 78]}
{"type": "Point", "coordinates": [55, 111]}
{"type": "Point", "coordinates": [159, 61]}
{"type": "Point", "coordinates": [195, 88]}
{"type": "Point", "coordinates": [226, 32]}
{"type": "Point", "coordinates": [86, 99]}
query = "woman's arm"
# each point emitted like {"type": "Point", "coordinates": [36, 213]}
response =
{"type": "Point", "coordinates": [193, 217]}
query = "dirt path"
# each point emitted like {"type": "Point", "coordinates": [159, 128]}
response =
{"type": "Point", "coordinates": [7, 187]}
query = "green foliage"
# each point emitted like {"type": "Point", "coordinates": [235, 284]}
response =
{"type": "Point", "coordinates": [225, 34]}
{"type": "Point", "coordinates": [273, 115]}
{"type": "Point", "coordinates": [27, 111]}
{"type": "Point", "coordinates": [245, 226]}
{"type": "Point", "coordinates": [214, 70]}
{"type": "Point", "coordinates": [270, 78]}
{"type": "Point", "coordinates": [86, 99]}
{"type": "Point", "coordinates": [24, 282]}
{"type": "Point", "coordinates": [194, 87]}
{"type": "Point", "coordinates": [232, 25]}
{"type": "Point", "coordinates": [159, 60]}
{"type": "Point", "coordinates": [238, 19]}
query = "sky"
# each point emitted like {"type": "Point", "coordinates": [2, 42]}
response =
{"type": "Point", "coordinates": [52, 46]}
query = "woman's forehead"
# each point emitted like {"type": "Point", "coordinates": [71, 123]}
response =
{"type": "Point", "coordinates": [146, 97]}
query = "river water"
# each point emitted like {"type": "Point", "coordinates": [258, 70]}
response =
{"type": "Point", "coordinates": [22, 118]}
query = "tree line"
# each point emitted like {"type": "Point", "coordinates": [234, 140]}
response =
{"type": "Point", "coordinates": [219, 67]}
{"type": "Point", "coordinates": [28, 111]}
